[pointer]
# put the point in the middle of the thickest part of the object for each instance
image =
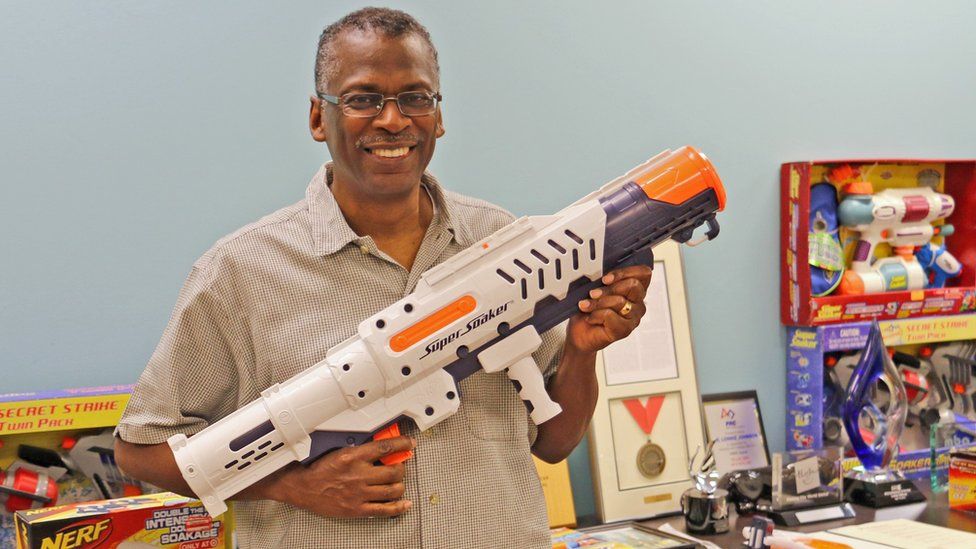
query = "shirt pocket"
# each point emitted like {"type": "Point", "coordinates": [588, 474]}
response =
{"type": "Point", "coordinates": [492, 409]}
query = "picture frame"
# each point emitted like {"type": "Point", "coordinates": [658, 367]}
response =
{"type": "Point", "coordinates": [652, 370]}
{"type": "Point", "coordinates": [734, 421]}
{"type": "Point", "coordinates": [629, 534]}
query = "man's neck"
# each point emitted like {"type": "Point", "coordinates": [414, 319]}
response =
{"type": "Point", "coordinates": [397, 223]}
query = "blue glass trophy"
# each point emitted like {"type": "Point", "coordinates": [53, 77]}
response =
{"type": "Point", "coordinates": [874, 415]}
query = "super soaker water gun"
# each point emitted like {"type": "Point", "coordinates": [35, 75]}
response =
{"type": "Point", "coordinates": [482, 309]}
{"type": "Point", "coordinates": [904, 219]}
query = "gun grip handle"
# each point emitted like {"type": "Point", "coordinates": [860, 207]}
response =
{"type": "Point", "coordinates": [527, 378]}
{"type": "Point", "coordinates": [396, 457]}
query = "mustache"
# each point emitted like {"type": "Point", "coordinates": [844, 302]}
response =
{"type": "Point", "coordinates": [372, 140]}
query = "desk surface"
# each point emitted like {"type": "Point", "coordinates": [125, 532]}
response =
{"type": "Point", "coordinates": [935, 511]}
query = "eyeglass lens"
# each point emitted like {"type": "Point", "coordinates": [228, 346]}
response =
{"type": "Point", "coordinates": [370, 104]}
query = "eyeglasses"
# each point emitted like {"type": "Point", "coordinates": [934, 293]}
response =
{"type": "Point", "coordinates": [368, 105]}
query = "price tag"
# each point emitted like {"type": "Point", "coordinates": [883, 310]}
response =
{"type": "Point", "coordinates": [825, 252]}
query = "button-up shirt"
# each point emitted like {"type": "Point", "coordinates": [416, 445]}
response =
{"type": "Point", "coordinates": [269, 300]}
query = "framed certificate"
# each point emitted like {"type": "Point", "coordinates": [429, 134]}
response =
{"type": "Point", "coordinates": [648, 421]}
{"type": "Point", "coordinates": [734, 422]}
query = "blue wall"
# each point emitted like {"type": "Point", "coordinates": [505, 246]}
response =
{"type": "Point", "coordinates": [133, 135]}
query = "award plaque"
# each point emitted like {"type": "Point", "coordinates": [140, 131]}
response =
{"type": "Point", "coordinates": [807, 478]}
{"type": "Point", "coordinates": [874, 429]}
{"type": "Point", "coordinates": [800, 487]}
{"type": "Point", "coordinates": [734, 422]}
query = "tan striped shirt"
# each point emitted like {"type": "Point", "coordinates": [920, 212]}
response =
{"type": "Point", "coordinates": [269, 300]}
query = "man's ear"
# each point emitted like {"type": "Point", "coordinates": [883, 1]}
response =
{"type": "Point", "coordinates": [439, 128]}
{"type": "Point", "coordinates": [315, 122]}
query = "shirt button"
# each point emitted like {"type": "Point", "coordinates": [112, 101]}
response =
{"type": "Point", "coordinates": [365, 249]}
{"type": "Point", "coordinates": [434, 499]}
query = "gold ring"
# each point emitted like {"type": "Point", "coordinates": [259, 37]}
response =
{"type": "Point", "coordinates": [625, 310]}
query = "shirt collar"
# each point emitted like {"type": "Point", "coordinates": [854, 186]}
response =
{"type": "Point", "coordinates": [331, 232]}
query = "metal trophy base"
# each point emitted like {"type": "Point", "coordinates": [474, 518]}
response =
{"type": "Point", "coordinates": [881, 489]}
{"type": "Point", "coordinates": [705, 513]}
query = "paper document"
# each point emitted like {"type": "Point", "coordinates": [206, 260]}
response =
{"type": "Point", "coordinates": [648, 355]}
{"type": "Point", "coordinates": [908, 534]}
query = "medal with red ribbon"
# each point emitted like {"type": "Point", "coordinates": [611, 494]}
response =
{"type": "Point", "coordinates": [650, 457]}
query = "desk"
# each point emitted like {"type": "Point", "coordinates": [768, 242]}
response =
{"type": "Point", "coordinates": [934, 511]}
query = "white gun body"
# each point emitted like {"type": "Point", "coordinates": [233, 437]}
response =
{"type": "Point", "coordinates": [483, 308]}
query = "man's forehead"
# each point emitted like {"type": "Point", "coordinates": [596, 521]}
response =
{"type": "Point", "coordinates": [371, 44]}
{"type": "Point", "coordinates": [364, 57]}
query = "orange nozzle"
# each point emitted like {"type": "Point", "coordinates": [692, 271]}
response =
{"type": "Point", "coordinates": [676, 176]}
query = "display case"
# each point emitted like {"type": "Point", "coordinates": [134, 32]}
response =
{"type": "Point", "coordinates": [877, 239]}
{"type": "Point", "coordinates": [934, 356]}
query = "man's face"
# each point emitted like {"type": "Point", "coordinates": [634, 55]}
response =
{"type": "Point", "coordinates": [361, 148]}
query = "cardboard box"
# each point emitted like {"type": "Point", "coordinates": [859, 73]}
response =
{"type": "Point", "coordinates": [154, 520]}
{"type": "Point", "coordinates": [962, 481]}
{"type": "Point", "coordinates": [807, 348]}
{"type": "Point", "coordinates": [800, 307]}
{"type": "Point", "coordinates": [52, 420]}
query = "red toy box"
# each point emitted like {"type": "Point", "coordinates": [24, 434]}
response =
{"type": "Point", "coordinates": [154, 520]}
{"type": "Point", "coordinates": [807, 301]}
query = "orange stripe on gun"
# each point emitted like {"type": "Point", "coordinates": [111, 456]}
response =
{"type": "Point", "coordinates": [427, 326]}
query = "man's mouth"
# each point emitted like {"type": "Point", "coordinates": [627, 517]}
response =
{"type": "Point", "coordinates": [387, 152]}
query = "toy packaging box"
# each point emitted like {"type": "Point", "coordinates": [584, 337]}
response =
{"type": "Point", "coordinates": [57, 447]}
{"type": "Point", "coordinates": [962, 481]}
{"type": "Point", "coordinates": [877, 239]}
{"type": "Point", "coordinates": [154, 520]}
{"type": "Point", "coordinates": [934, 356]}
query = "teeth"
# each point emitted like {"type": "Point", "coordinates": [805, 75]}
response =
{"type": "Point", "coordinates": [391, 153]}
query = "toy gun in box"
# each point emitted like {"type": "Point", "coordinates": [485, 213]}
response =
{"type": "Point", "coordinates": [91, 456]}
{"type": "Point", "coordinates": [904, 219]}
{"type": "Point", "coordinates": [482, 309]}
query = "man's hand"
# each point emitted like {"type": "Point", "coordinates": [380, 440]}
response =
{"type": "Point", "coordinates": [612, 312]}
{"type": "Point", "coordinates": [346, 483]}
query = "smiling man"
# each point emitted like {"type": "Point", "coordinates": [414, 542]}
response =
{"type": "Point", "coordinates": [270, 300]}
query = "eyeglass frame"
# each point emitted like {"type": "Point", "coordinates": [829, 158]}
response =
{"type": "Point", "coordinates": [337, 101]}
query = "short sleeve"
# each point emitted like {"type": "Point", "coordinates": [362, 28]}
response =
{"type": "Point", "coordinates": [194, 376]}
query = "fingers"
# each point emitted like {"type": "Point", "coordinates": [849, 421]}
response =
{"type": "Point", "coordinates": [384, 492]}
{"type": "Point", "coordinates": [629, 282]}
{"type": "Point", "coordinates": [374, 450]}
{"type": "Point", "coordinates": [622, 306]}
{"type": "Point", "coordinates": [642, 273]}
{"type": "Point", "coordinates": [615, 302]}
{"type": "Point", "coordinates": [390, 509]}
{"type": "Point", "coordinates": [631, 288]}
{"type": "Point", "coordinates": [611, 319]}
{"type": "Point", "coordinates": [385, 474]}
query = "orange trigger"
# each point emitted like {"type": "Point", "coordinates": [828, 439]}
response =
{"type": "Point", "coordinates": [396, 457]}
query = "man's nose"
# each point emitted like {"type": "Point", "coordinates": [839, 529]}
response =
{"type": "Point", "coordinates": [390, 118]}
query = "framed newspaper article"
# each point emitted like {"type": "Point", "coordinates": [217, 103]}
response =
{"type": "Point", "coordinates": [648, 421]}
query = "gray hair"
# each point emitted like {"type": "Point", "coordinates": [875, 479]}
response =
{"type": "Point", "coordinates": [389, 22]}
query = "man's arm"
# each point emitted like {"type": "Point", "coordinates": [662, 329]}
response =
{"type": "Point", "coordinates": [345, 483]}
{"type": "Point", "coordinates": [611, 314]}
